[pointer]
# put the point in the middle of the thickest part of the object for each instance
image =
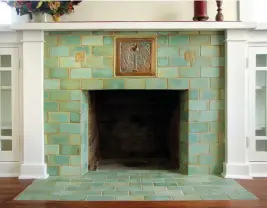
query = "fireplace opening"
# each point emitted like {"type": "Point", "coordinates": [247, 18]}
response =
{"type": "Point", "coordinates": [133, 129]}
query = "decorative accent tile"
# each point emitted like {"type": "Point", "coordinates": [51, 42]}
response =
{"type": "Point", "coordinates": [80, 56]}
{"type": "Point", "coordinates": [135, 56]}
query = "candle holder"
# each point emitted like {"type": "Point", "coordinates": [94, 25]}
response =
{"type": "Point", "coordinates": [200, 10]}
{"type": "Point", "coordinates": [219, 16]}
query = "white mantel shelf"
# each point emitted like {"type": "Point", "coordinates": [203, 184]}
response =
{"type": "Point", "coordinates": [159, 26]}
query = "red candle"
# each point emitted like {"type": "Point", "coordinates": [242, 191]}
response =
{"type": "Point", "coordinates": [200, 10]}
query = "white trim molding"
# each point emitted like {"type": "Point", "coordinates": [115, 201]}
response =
{"type": "Point", "coordinates": [9, 169]}
{"type": "Point", "coordinates": [236, 162]}
{"type": "Point", "coordinates": [33, 163]}
{"type": "Point", "coordinates": [128, 25]}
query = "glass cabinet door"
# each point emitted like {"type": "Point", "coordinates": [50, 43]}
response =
{"type": "Point", "coordinates": [9, 146]}
{"type": "Point", "coordinates": [258, 103]}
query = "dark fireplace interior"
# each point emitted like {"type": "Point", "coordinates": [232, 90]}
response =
{"type": "Point", "coordinates": [136, 128]}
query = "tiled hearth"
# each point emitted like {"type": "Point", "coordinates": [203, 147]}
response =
{"type": "Point", "coordinates": [135, 185]}
{"type": "Point", "coordinates": [191, 62]}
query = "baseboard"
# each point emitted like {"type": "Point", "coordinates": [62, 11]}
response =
{"type": "Point", "coordinates": [236, 171]}
{"type": "Point", "coordinates": [33, 171]}
{"type": "Point", "coordinates": [258, 169]}
{"type": "Point", "coordinates": [9, 169]}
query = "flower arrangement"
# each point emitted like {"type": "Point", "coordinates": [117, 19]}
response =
{"type": "Point", "coordinates": [53, 8]}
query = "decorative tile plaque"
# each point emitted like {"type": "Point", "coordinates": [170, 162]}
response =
{"type": "Point", "coordinates": [135, 57]}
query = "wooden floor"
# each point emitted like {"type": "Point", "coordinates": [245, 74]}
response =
{"type": "Point", "coordinates": [10, 187]}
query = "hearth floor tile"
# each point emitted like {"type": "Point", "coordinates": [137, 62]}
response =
{"type": "Point", "coordinates": [135, 185]}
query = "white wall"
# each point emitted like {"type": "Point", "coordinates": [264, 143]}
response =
{"type": "Point", "coordinates": [137, 10]}
{"type": "Point", "coordinates": [258, 10]}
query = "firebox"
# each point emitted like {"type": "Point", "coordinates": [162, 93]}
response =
{"type": "Point", "coordinates": [134, 129]}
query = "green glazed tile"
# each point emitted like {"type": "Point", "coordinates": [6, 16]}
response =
{"type": "Point", "coordinates": [75, 160]}
{"type": "Point", "coordinates": [129, 198]}
{"type": "Point", "coordinates": [156, 84]}
{"type": "Point", "coordinates": [70, 149]}
{"type": "Point", "coordinates": [135, 84]}
{"type": "Point", "coordinates": [217, 105]}
{"type": "Point", "coordinates": [51, 128]}
{"type": "Point", "coordinates": [51, 149]}
{"type": "Point", "coordinates": [52, 62]}
{"type": "Point", "coordinates": [100, 198]}
{"type": "Point", "coordinates": [217, 83]}
{"type": "Point", "coordinates": [75, 117]}
{"type": "Point", "coordinates": [94, 84]}
{"type": "Point", "coordinates": [178, 40]}
{"type": "Point", "coordinates": [52, 170]}
{"type": "Point", "coordinates": [165, 51]}
{"type": "Point", "coordinates": [218, 61]}
{"type": "Point", "coordinates": [59, 117]}
{"type": "Point", "coordinates": [71, 128]}
{"type": "Point", "coordinates": [59, 95]}
{"type": "Point", "coordinates": [115, 193]}
{"type": "Point", "coordinates": [102, 51]}
{"type": "Point", "coordinates": [199, 83]}
{"type": "Point", "coordinates": [69, 106]}
{"type": "Point", "coordinates": [198, 105]}
{"type": "Point", "coordinates": [69, 62]}
{"type": "Point", "coordinates": [203, 116]}
{"type": "Point", "coordinates": [217, 39]}
{"type": "Point", "coordinates": [102, 73]}
{"type": "Point", "coordinates": [142, 193]}
{"type": "Point", "coordinates": [210, 72]}
{"type": "Point", "coordinates": [59, 73]}
{"type": "Point", "coordinates": [162, 40]}
{"type": "Point", "coordinates": [92, 40]}
{"type": "Point", "coordinates": [178, 61]}
{"type": "Point", "coordinates": [59, 51]}
{"type": "Point", "coordinates": [167, 72]}
{"type": "Point", "coordinates": [73, 198]}
{"type": "Point", "coordinates": [187, 198]}
{"type": "Point", "coordinates": [200, 40]}
{"type": "Point", "coordinates": [50, 40]}
{"type": "Point", "coordinates": [69, 40]}
{"type": "Point", "coordinates": [58, 160]}
{"type": "Point", "coordinates": [108, 40]}
{"type": "Point", "coordinates": [157, 198]}
{"type": "Point", "coordinates": [186, 72]}
{"type": "Point", "coordinates": [178, 84]}
{"type": "Point", "coordinates": [75, 49]}
{"type": "Point", "coordinates": [51, 84]}
{"type": "Point", "coordinates": [70, 170]}
{"type": "Point", "coordinates": [66, 84]}
{"type": "Point", "coordinates": [162, 61]}
{"type": "Point", "coordinates": [198, 127]}
{"type": "Point", "coordinates": [210, 51]}
{"type": "Point", "coordinates": [113, 84]}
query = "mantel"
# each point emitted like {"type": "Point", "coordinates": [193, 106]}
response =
{"type": "Point", "coordinates": [126, 25]}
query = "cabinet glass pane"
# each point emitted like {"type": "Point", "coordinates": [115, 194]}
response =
{"type": "Point", "coordinates": [6, 145]}
{"type": "Point", "coordinates": [5, 60]}
{"type": "Point", "coordinates": [6, 112]}
{"type": "Point", "coordinates": [261, 145]}
{"type": "Point", "coordinates": [5, 80]}
{"type": "Point", "coordinates": [260, 103]}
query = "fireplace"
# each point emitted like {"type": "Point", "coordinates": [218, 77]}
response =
{"type": "Point", "coordinates": [134, 129]}
{"type": "Point", "coordinates": [188, 66]}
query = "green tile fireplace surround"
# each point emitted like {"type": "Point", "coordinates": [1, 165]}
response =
{"type": "Point", "coordinates": [66, 84]}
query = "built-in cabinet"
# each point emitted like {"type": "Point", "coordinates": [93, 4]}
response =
{"type": "Point", "coordinates": [257, 102]}
{"type": "Point", "coordinates": [9, 118]}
